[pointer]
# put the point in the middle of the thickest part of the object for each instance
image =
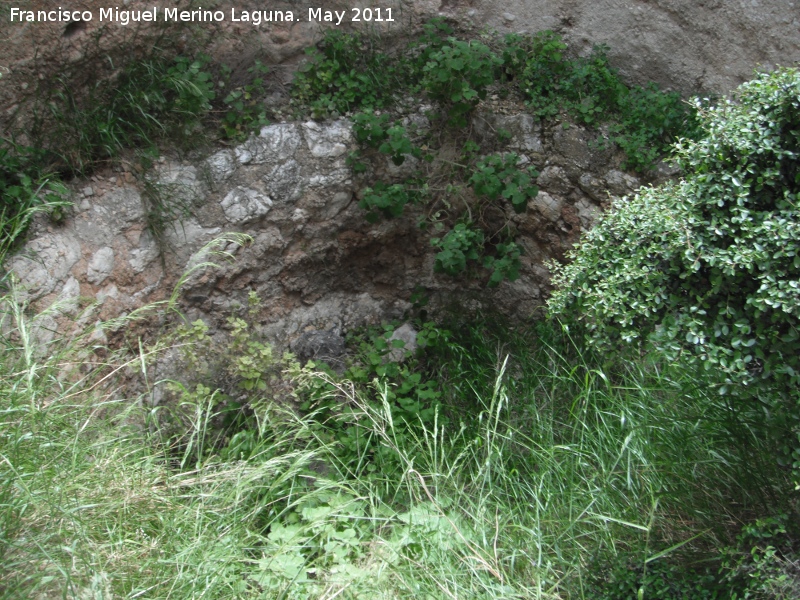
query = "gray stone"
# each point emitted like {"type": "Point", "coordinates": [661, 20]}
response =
{"type": "Point", "coordinates": [329, 175]}
{"type": "Point", "coordinates": [98, 335]}
{"type": "Point", "coordinates": [110, 291]}
{"type": "Point", "coordinates": [186, 238]}
{"type": "Point", "coordinates": [118, 207]}
{"type": "Point", "coordinates": [572, 143]}
{"type": "Point", "coordinates": [221, 165]}
{"type": "Point", "coordinates": [593, 187]}
{"type": "Point", "coordinates": [285, 182]}
{"type": "Point", "coordinates": [327, 140]}
{"type": "Point", "coordinates": [337, 204]}
{"type": "Point", "coordinates": [178, 185]}
{"type": "Point", "coordinates": [406, 334]}
{"type": "Point", "coordinates": [275, 143]}
{"type": "Point", "coordinates": [416, 123]}
{"type": "Point", "coordinates": [146, 253]}
{"type": "Point", "coordinates": [549, 206]}
{"type": "Point", "coordinates": [621, 184]}
{"type": "Point", "coordinates": [525, 131]}
{"type": "Point", "coordinates": [555, 180]}
{"type": "Point", "coordinates": [243, 205]}
{"type": "Point", "coordinates": [406, 169]}
{"type": "Point", "coordinates": [43, 329]}
{"type": "Point", "coordinates": [45, 262]}
{"type": "Point", "coordinates": [100, 266]}
{"type": "Point", "coordinates": [69, 296]}
{"type": "Point", "coordinates": [88, 191]}
{"type": "Point", "coordinates": [299, 215]}
{"type": "Point", "coordinates": [587, 213]}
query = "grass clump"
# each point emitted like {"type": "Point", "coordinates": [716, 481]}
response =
{"type": "Point", "coordinates": [148, 100]}
{"type": "Point", "coordinates": [24, 191]}
{"type": "Point", "coordinates": [76, 122]}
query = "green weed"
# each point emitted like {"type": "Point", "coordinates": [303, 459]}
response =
{"type": "Point", "coordinates": [245, 109]}
{"type": "Point", "coordinates": [25, 191]}
{"type": "Point", "coordinates": [457, 77]}
{"type": "Point", "coordinates": [644, 121]}
{"type": "Point", "coordinates": [347, 72]}
{"type": "Point", "coordinates": [497, 176]}
{"type": "Point", "coordinates": [388, 200]}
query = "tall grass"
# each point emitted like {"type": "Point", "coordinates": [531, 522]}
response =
{"type": "Point", "coordinates": [540, 467]}
{"type": "Point", "coordinates": [553, 465]}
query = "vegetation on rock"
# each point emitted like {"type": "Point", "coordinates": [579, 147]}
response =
{"type": "Point", "coordinates": [354, 73]}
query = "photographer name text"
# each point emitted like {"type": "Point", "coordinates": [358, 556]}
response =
{"type": "Point", "coordinates": [174, 15]}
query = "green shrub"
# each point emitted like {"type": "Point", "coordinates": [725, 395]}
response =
{"type": "Point", "coordinates": [375, 131]}
{"type": "Point", "coordinates": [24, 190]}
{"type": "Point", "coordinates": [643, 121]}
{"type": "Point", "coordinates": [708, 269]}
{"type": "Point", "coordinates": [457, 76]}
{"type": "Point", "coordinates": [346, 72]}
{"type": "Point", "coordinates": [505, 265]}
{"type": "Point", "coordinates": [764, 562]}
{"type": "Point", "coordinates": [649, 120]}
{"type": "Point", "coordinates": [461, 244]}
{"type": "Point", "coordinates": [370, 129]}
{"type": "Point", "coordinates": [622, 578]}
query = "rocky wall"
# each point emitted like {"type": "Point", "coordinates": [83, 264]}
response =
{"type": "Point", "coordinates": [315, 261]}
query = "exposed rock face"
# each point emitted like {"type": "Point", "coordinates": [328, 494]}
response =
{"type": "Point", "coordinates": [315, 261]}
{"type": "Point", "coordinates": [707, 46]}
{"type": "Point", "coordinates": [690, 45]}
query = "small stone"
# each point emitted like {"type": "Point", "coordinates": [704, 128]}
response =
{"type": "Point", "coordinates": [98, 335]}
{"type": "Point", "coordinates": [329, 140]}
{"type": "Point", "coordinates": [221, 165]}
{"type": "Point", "coordinates": [88, 191]}
{"type": "Point", "coordinates": [548, 206]}
{"type": "Point", "coordinates": [509, 17]}
{"type": "Point", "coordinates": [406, 334]}
{"type": "Point", "coordinates": [101, 265]}
{"type": "Point", "coordinates": [243, 205]}
{"type": "Point", "coordinates": [112, 179]}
